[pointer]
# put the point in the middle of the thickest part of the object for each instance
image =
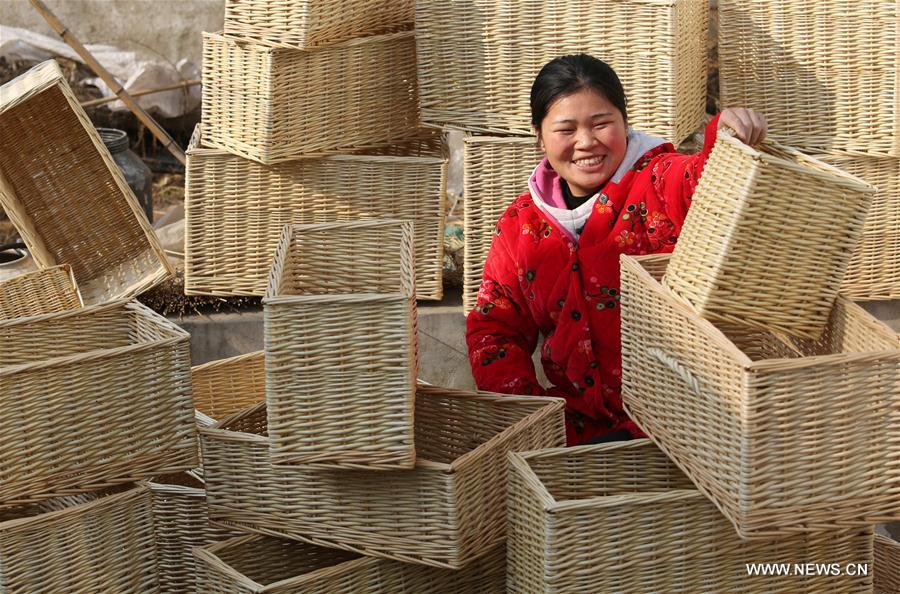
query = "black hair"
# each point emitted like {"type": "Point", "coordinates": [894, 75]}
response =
{"type": "Point", "coordinates": [569, 74]}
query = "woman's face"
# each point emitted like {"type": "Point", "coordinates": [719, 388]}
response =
{"type": "Point", "coordinates": [584, 138]}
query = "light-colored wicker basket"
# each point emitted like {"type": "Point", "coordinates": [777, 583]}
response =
{"type": "Point", "coordinates": [495, 172]}
{"type": "Point", "coordinates": [621, 517]}
{"type": "Point", "coordinates": [273, 105]}
{"type": "Point", "coordinates": [49, 290]}
{"type": "Point", "coordinates": [446, 512]}
{"type": "Point", "coordinates": [66, 196]}
{"type": "Point", "coordinates": [887, 565]}
{"type": "Point", "coordinates": [227, 386]}
{"type": "Point", "coordinates": [265, 564]}
{"type": "Point", "coordinates": [91, 398]}
{"type": "Point", "coordinates": [341, 345]}
{"type": "Point", "coordinates": [823, 73]}
{"type": "Point", "coordinates": [236, 209]}
{"type": "Point", "coordinates": [777, 431]}
{"type": "Point", "coordinates": [304, 24]}
{"type": "Point", "coordinates": [80, 544]}
{"type": "Point", "coordinates": [477, 59]}
{"type": "Point", "coordinates": [762, 244]}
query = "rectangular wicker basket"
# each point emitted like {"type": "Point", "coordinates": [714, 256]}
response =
{"type": "Point", "coordinates": [777, 431]}
{"type": "Point", "coordinates": [475, 72]}
{"type": "Point", "coordinates": [823, 73]}
{"type": "Point", "coordinates": [49, 290]}
{"type": "Point", "coordinates": [66, 196]}
{"type": "Point", "coordinates": [761, 244]}
{"type": "Point", "coordinates": [495, 172]}
{"type": "Point", "coordinates": [446, 512]}
{"type": "Point", "coordinates": [90, 398]}
{"type": "Point", "coordinates": [265, 564]}
{"type": "Point", "coordinates": [275, 104]}
{"type": "Point", "coordinates": [80, 544]}
{"type": "Point", "coordinates": [236, 209]}
{"type": "Point", "coordinates": [621, 517]}
{"type": "Point", "coordinates": [341, 345]}
{"type": "Point", "coordinates": [887, 565]}
{"type": "Point", "coordinates": [304, 24]}
{"type": "Point", "coordinates": [226, 386]}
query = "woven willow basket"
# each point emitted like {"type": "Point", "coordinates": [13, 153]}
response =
{"type": "Point", "coordinates": [622, 518]}
{"type": "Point", "coordinates": [49, 290]}
{"type": "Point", "coordinates": [341, 345]}
{"type": "Point", "coordinates": [777, 431]}
{"type": "Point", "coordinates": [476, 71]}
{"type": "Point", "coordinates": [265, 564]}
{"type": "Point", "coordinates": [90, 398]}
{"type": "Point", "coordinates": [761, 244]}
{"type": "Point", "coordinates": [495, 172]}
{"type": "Point", "coordinates": [273, 105]}
{"type": "Point", "coordinates": [80, 544]}
{"type": "Point", "coordinates": [227, 386]}
{"type": "Point", "coordinates": [887, 565]}
{"type": "Point", "coordinates": [823, 73]}
{"type": "Point", "coordinates": [303, 24]}
{"type": "Point", "coordinates": [236, 209]}
{"type": "Point", "coordinates": [446, 512]}
{"type": "Point", "coordinates": [66, 196]}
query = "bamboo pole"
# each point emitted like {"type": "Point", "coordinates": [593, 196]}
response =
{"type": "Point", "coordinates": [110, 80]}
{"type": "Point", "coordinates": [103, 100]}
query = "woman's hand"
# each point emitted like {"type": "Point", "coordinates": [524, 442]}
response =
{"type": "Point", "coordinates": [749, 126]}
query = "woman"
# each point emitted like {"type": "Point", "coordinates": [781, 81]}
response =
{"type": "Point", "coordinates": [553, 267]}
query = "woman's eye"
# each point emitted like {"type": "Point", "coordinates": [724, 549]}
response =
{"type": "Point", "coordinates": [565, 131]}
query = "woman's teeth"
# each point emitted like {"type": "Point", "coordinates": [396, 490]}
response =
{"type": "Point", "coordinates": [588, 162]}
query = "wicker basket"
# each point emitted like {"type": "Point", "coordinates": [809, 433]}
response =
{"type": "Point", "coordinates": [80, 544]}
{"type": "Point", "coordinates": [776, 431]}
{"type": "Point", "coordinates": [445, 513]}
{"type": "Point", "coordinates": [761, 244]}
{"type": "Point", "coordinates": [235, 209]}
{"type": "Point", "coordinates": [303, 24]}
{"type": "Point", "coordinates": [227, 386]}
{"type": "Point", "coordinates": [476, 72]}
{"type": "Point", "coordinates": [49, 290]}
{"type": "Point", "coordinates": [622, 518]}
{"type": "Point", "coordinates": [265, 564]}
{"type": "Point", "coordinates": [91, 398]}
{"type": "Point", "coordinates": [66, 196]}
{"type": "Point", "coordinates": [495, 172]}
{"type": "Point", "coordinates": [341, 345]}
{"type": "Point", "coordinates": [824, 73]}
{"type": "Point", "coordinates": [887, 565]}
{"type": "Point", "coordinates": [273, 105]}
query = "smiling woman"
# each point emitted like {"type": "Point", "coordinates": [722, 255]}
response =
{"type": "Point", "coordinates": [603, 189]}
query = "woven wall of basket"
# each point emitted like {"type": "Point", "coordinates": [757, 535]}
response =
{"type": "Point", "coordinates": [623, 518]}
{"type": "Point", "coordinates": [44, 291]}
{"type": "Point", "coordinates": [776, 431]}
{"type": "Point", "coordinates": [476, 72]}
{"type": "Point", "coordinates": [274, 104]}
{"type": "Point", "coordinates": [446, 512]}
{"type": "Point", "coordinates": [887, 565]}
{"type": "Point", "coordinates": [265, 564]}
{"type": "Point", "coordinates": [66, 196]}
{"type": "Point", "coordinates": [227, 386]}
{"type": "Point", "coordinates": [304, 24]}
{"type": "Point", "coordinates": [496, 170]}
{"type": "Point", "coordinates": [761, 244]}
{"type": "Point", "coordinates": [236, 209]}
{"type": "Point", "coordinates": [341, 345]}
{"type": "Point", "coordinates": [823, 73]}
{"type": "Point", "coordinates": [93, 542]}
{"type": "Point", "coordinates": [91, 398]}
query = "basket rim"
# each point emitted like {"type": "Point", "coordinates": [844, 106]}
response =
{"type": "Point", "coordinates": [135, 491]}
{"type": "Point", "coordinates": [221, 36]}
{"type": "Point", "coordinates": [30, 83]}
{"type": "Point", "coordinates": [472, 138]}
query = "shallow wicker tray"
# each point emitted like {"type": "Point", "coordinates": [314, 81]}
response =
{"type": "Point", "coordinates": [66, 196]}
{"type": "Point", "coordinates": [43, 291]}
{"type": "Point", "coordinates": [887, 565]}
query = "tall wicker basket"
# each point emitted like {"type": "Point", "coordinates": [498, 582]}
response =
{"type": "Point", "coordinates": [265, 564]}
{"type": "Point", "coordinates": [622, 518]}
{"type": "Point", "coordinates": [66, 196]}
{"type": "Point", "coordinates": [776, 431]}
{"type": "Point", "coordinates": [446, 512]}
{"type": "Point", "coordinates": [823, 73]}
{"type": "Point", "coordinates": [887, 565]}
{"type": "Point", "coordinates": [90, 398]}
{"type": "Point", "coordinates": [477, 59]}
{"type": "Point", "coordinates": [93, 542]}
{"type": "Point", "coordinates": [49, 290]}
{"type": "Point", "coordinates": [236, 209]}
{"type": "Point", "coordinates": [761, 244]}
{"type": "Point", "coordinates": [273, 105]}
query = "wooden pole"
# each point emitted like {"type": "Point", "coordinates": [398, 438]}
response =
{"type": "Point", "coordinates": [103, 100]}
{"type": "Point", "coordinates": [110, 80]}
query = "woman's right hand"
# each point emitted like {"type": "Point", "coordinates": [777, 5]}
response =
{"type": "Point", "coordinates": [749, 126]}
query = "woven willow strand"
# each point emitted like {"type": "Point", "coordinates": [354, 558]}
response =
{"type": "Point", "coordinates": [44, 291]}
